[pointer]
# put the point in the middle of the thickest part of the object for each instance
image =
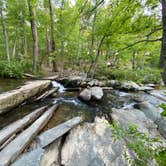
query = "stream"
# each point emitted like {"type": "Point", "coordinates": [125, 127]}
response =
{"type": "Point", "coordinates": [70, 106]}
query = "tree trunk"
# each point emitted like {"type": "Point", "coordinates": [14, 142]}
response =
{"type": "Point", "coordinates": [15, 45]}
{"type": "Point", "coordinates": [93, 65]}
{"type": "Point", "coordinates": [62, 34]}
{"type": "Point", "coordinates": [34, 34]}
{"type": "Point", "coordinates": [48, 48]}
{"type": "Point", "coordinates": [162, 63]}
{"type": "Point", "coordinates": [4, 31]}
{"type": "Point", "coordinates": [52, 35]}
{"type": "Point", "coordinates": [19, 144]}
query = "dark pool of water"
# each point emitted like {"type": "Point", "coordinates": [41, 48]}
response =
{"type": "Point", "coordinates": [10, 84]}
{"type": "Point", "coordinates": [69, 106]}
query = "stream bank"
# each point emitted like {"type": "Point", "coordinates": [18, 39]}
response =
{"type": "Point", "coordinates": [90, 143]}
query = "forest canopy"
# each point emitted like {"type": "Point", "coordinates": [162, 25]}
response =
{"type": "Point", "coordinates": [113, 38]}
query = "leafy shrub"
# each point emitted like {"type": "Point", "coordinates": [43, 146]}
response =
{"type": "Point", "coordinates": [140, 144]}
{"type": "Point", "coordinates": [147, 75]}
{"type": "Point", "coordinates": [15, 69]}
{"type": "Point", "coordinates": [163, 106]}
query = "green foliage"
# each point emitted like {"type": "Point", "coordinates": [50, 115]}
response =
{"type": "Point", "coordinates": [147, 75]}
{"type": "Point", "coordinates": [140, 144]}
{"type": "Point", "coordinates": [163, 106]}
{"type": "Point", "coordinates": [15, 69]}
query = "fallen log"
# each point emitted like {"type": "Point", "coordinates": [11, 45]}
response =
{"type": "Point", "coordinates": [46, 94]}
{"type": "Point", "coordinates": [51, 135]}
{"type": "Point", "coordinates": [18, 145]}
{"type": "Point", "coordinates": [13, 98]}
{"type": "Point", "coordinates": [17, 126]}
{"type": "Point", "coordinates": [7, 141]}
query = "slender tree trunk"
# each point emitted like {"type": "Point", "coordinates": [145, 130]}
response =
{"type": "Point", "coordinates": [162, 63]}
{"type": "Point", "coordinates": [47, 48]}
{"type": "Point", "coordinates": [133, 60]}
{"type": "Point", "coordinates": [15, 45]}
{"type": "Point", "coordinates": [93, 65]}
{"type": "Point", "coordinates": [4, 31]}
{"type": "Point", "coordinates": [34, 34]}
{"type": "Point", "coordinates": [62, 34]}
{"type": "Point", "coordinates": [163, 46]}
{"type": "Point", "coordinates": [52, 35]}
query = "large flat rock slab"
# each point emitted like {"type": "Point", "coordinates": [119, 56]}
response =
{"type": "Point", "coordinates": [15, 97]}
{"type": "Point", "coordinates": [92, 145]}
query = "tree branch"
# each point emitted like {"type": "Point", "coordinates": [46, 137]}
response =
{"type": "Point", "coordinates": [141, 41]}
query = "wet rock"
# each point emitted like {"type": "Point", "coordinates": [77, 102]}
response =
{"type": "Point", "coordinates": [149, 110]}
{"type": "Point", "coordinates": [145, 88]}
{"type": "Point", "coordinates": [92, 145]}
{"type": "Point", "coordinates": [129, 86]}
{"type": "Point", "coordinates": [51, 155]}
{"type": "Point", "coordinates": [114, 83]}
{"type": "Point", "coordinates": [85, 95]}
{"type": "Point", "coordinates": [137, 117]}
{"type": "Point", "coordinates": [97, 93]}
{"type": "Point", "coordinates": [162, 127]}
{"type": "Point", "coordinates": [94, 93]}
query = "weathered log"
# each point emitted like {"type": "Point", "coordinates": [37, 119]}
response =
{"type": "Point", "coordinates": [15, 97]}
{"type": "Point", "coordinates": [46, 94]}
{"type": "Point", "coordinates": [52, 134]}
{"type": "Point", "coordinates": [18, 145]}
{"type": "Point", "coordinates": [17, 126]}
{"type": "Point", "coordinates": [29, 75]}
{"type": "Point", "coordinates": [7, 141]}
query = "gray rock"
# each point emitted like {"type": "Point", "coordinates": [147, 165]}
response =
{"type": "Point", "coordinates": [137, 117]}
{"type": "Point", "coordinates": [97, 93]}
{"type": "Point", "coordinates": [149, 110]}
{"type": "Point", "coordinates": [94, 93]}
{"type": "Point", "coordinates": [162, 127]}
{"type": "Point", "coordinates": [129, 86]}
{"type": "Point", "coordinates": [92, 145]}
{"type": "Point", "coordinates": [51, 154]}
{"type": "Point", "coordinates": [85, 95]}
{"type": "Point", "coordinates": [30, 159]}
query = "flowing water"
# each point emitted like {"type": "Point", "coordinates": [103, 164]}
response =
{"type": "Point", "coordinates": [69, 105]}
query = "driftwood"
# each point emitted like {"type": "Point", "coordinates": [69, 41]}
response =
{"type": "Point", "coordinates": [15, 127]}
{"type": "Point", "coordinates": [29, 75]}
{"type": "Point", "coordinates": [15, 97]}
{"type": "Point", "coordinates": [7, 141]}
{"type": "Point", "coordinates": [46, 94]}
{"type": "Point", "coordinates": [18, 145]}
{"type": "Point", "coordinates": [52, 134]}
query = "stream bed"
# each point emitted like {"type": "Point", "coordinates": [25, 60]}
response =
{"type": "Point", "coordinates": [70, 106]}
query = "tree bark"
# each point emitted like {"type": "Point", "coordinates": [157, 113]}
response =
{"type": "Point", "coordinates": [162, 62]}
{"type": "Point", "coordinates": [92, 68]}
{"type": "Point", "coordinates": [18, 145]}
{"type": "Point", "coordinates": [20, 124]}
{"type": "Point", "coordinates": [34, 34]}
{"type": "Point", "coordinates": [163, 46]}
{"type": "Point", "coordinates": [52, 35]}
{"type": "Point", "coordinates": [4, 31]}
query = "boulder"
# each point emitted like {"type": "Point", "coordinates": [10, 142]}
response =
{"type": "Point", "coordinates": [162, 127]}
{"type": "Point", "coordinates": [149, 110]}
{"type": "Point", "coordinates": [85, 95]}
{"type": "Point", "coordinates": [129, 86]}
{"type": "Point", "coordinates": [91, 145]}
{"type": "Point", "coordinates": [136, 117]}
{"type": "Point", "coordinates": [94, 93]}
{"type": "Point", "coordinates": [97, 93]}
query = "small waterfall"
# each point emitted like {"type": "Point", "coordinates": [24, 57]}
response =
{"type": "Point", "coordinates": [61, 88]}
